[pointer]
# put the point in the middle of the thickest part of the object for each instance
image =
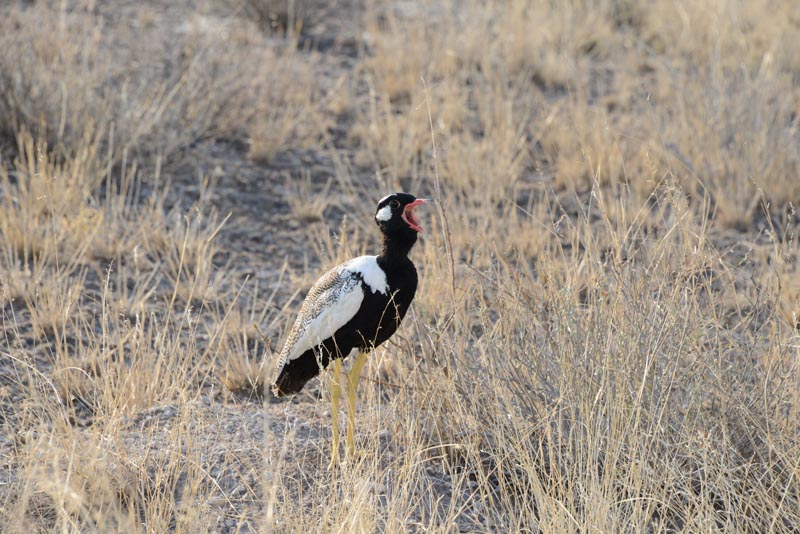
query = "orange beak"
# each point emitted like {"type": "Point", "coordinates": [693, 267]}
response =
{"type": "Point", "coordinates": [410, 218]}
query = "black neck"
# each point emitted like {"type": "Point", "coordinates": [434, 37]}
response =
{"type": "Point", "coordinates": [397, 246]}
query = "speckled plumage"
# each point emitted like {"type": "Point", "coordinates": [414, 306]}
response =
{"type": "Point", "coordinates": [336, 288]}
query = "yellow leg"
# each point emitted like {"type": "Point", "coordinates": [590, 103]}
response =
{"type": "Point", "coordinates": [335, 389]}
{"type": "Point", "coordinates": [352, 384]}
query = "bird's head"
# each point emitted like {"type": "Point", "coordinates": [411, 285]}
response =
{"type": "Point", "coordinates": [395, 215]}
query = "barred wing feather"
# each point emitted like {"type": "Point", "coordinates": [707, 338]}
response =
{"type": "Point", "coordinates": [330, 304]}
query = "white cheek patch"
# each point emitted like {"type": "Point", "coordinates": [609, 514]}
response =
{"type": "Point", "coordinates": [384, 214]}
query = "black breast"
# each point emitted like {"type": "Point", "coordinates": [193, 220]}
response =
{"type": "Point", "coordinates": [380, 314]}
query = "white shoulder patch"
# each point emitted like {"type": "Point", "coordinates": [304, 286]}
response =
{"type": "Point", "coordinates": [384, 214]}
{"type": "Point", "coordinates": [370, 272]}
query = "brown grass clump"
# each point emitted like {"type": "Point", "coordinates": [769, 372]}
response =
{"type": "Point", "coordinates": [605, 337]}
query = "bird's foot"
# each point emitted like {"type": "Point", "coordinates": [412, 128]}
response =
{"type": "Point", "coordinates": [353, 456]}
{"type": "Point", "coordinates": [334, 463]}
{"type": "Point", "coordinates": [356, 455]}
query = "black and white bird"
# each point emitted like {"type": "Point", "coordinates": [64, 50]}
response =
{"type": "Point", "coordinates": [355, 306]}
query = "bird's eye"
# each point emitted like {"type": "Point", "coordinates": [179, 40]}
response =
{"type": "Point", "coordinates": [395, 204]}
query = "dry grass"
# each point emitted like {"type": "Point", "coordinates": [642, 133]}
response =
{"type": "Point", "coordinates": [619, 352]}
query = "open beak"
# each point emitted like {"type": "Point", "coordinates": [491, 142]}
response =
{"type": "Point", "coordinates": [410, 218]}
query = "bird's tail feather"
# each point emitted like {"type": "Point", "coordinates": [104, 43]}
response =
{"type": "Point", "coordinates": [294, 375]}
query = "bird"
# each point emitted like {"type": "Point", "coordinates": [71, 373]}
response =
{"type": "Point", "coordinates": [353, 307]}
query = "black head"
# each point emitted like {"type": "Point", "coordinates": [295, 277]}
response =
{"type": "Point", "coordinates": [395, 216]}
